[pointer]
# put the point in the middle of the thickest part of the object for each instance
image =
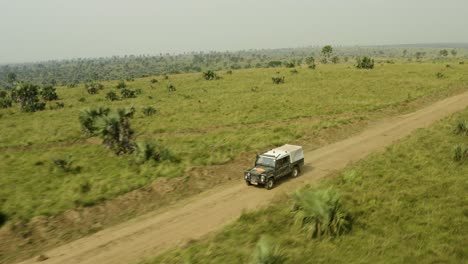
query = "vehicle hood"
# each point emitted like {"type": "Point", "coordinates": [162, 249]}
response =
{"type": "Point", "coordinates": [260, 170]}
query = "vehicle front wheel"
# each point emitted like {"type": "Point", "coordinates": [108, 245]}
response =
{"type": "Point", "coordinates": [247, 182]}
{"type": "Point", "coordinates": [295, 172]}
{"type": "Point", "coordinates": [270, 183]}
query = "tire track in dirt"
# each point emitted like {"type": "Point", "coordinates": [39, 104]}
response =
{"type": "Point", "coordinates": [197, 216]}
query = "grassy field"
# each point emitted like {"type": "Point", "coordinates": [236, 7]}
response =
{"type": "Point", "coordinates": [203, 123]}
{"type": "Point", "coordinates": [408, 204]}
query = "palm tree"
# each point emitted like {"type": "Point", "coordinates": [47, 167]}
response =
{"type": "Point", "coordinates": [88, 118]}
{"type": "Point", "coordinates": [115, 130]}
{"type": "Point", "coordinates": [319, 212]}
{"type": "Point", "coordinates": [266, 252]}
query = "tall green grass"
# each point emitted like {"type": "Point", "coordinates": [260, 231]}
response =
{"type": "Point", "coordinates": [409, 205]}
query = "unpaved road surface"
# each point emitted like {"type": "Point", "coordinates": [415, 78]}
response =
{"type": "Point", "coordinates": [193, 218]}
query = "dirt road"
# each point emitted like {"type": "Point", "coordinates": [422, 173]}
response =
{"type": "Point", "coordinates": [192, 218]}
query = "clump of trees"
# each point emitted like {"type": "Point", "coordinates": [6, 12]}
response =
{"type": "Point", "coordinates": [310, 61]}
{"type": "Point", "coordinates": [210, 75]}
{"type": "Point", "coordinates": [5, 100]}
{"type": "Point", "coordinates": [327, 51]}
{"type": "Point", "coordinates": [365, 63]}
{"type": "Point", "coordinates": [277, 80]}
{"type": "Point", "coordinates": [49, 93]}
{"type": "Point", "coordinates": [319, 212]}
{"type": "Point", "coordinates": [27, 96]}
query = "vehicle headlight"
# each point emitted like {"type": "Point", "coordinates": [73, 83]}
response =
{"type": "Point", "coordinates": [247, 175]}
{"type": "Point", "coordinates": [262, 178]}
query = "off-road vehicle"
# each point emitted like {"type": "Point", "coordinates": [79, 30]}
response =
{"type": "Point", "coordinates": [274, 164]}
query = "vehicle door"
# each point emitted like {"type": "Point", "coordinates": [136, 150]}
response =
{"type": "Point", "coordinates": [282, 166]}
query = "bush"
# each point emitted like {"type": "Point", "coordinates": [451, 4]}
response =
{"type": "Point", "coordinates": [65, 164]}
{"type": "Point", "coordinates": [3, 94]}
{"type": "Point", "coordinates": [312, 66]}
{"type": "Point", "coordinates": [88, 118]}
{"type": "Point", "coordinates": [112, 96]}
{"type": "Point", "coordinates": [149, 111]}
{"type": "Point", "coordinates": [5, 102]}
{"type": "Point", "coordinates": [171, 87]}
{"type": "Point", "coordinates": [319, 212]}
{"type": "Point", "coordinates": [365, 63]}
{"type": "Point", "coordinates": [229, 72]}
{"type": "Point", "coordinates": [93, 88]}
{"type": "Point", "coordinates": [153, 81]}
{"type": "Point", "coordinates": [335, 59]}
{"type": "Point", "coordinates": [127, 93]}
{"type": "Point", "coordinates": [3, 218]}
{"type": "Point", "coordinates": [121, 85]}
{"type": "Point", "coordinates": [27, 95]}
{"type": "Point", "coordinates": [277, 80]}
{"type": "Point", "coordinates": [289, 65]}
{"type": "Point", "coordinates": [461, 128]}
{"type": "Point", "coordinates": [114, 128]}
{"type": "Point", "coordinates": [210, 75]}
{"type": "Point", "coordinates": [460, 153]}
{"type": "Point", "coordinates": [440, 75]}
{"type": "Point", "coordinates": [294, 71]}
{"type": "Point", "coordinates": [266, 252]}
{"type": "Point", "coordinates": [149, 150]}
{"type": "Point", "coordinates": [49, 93]}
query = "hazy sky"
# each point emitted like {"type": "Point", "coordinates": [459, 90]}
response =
{"type": "Point", "coordinates": [32, 30]}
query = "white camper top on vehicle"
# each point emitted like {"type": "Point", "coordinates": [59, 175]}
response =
{"type": "Point", "coordinates": [295, 152]}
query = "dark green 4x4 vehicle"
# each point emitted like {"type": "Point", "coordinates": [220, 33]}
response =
{"type": "Point", "coordinates": [274, 164]}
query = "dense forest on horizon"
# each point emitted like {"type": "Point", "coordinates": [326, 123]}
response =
{"type": "Point", "coordinates": [79, 70]}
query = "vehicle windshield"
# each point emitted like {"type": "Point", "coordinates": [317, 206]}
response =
{"type": "Point", "coordinates": [266, 161]}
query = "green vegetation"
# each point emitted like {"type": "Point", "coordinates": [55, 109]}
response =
{"type": "Point", "coordinates": [202, 123]}
{"type": "Point", "coordinates": [365, 63]}
{"type": "Point", "coordinates": [408, 204]}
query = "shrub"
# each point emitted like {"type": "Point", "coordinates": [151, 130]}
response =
{"type": "Point", "coordinates": [149, 111]}
{"type": "Point", "coordinates": [289, 65]}
{"type": "Point", "coordinates": [229, 72]}
{"type": "Point", "coordinates": [3, 94]}
{"type": "Point", "coordinates": [461, 62]}
{"type": "Point", "coordinates": [27, 95]}
{"type": "Point", "coordinates": [121, 85]}
{"type": "Point", "coordinates": [114, 128]}
{"type": "Point", "coordinates": [112, 96]}
{"type": "Point", "coordinates": [171, 87]}
{"type": "Point", "coordinates": [153, 81]}
{"type": "Point", "coordinates": [65, 164]}
{"type": "Point", "coordinates": [319, 212]}
{"type": "Point", "coordinates": [312, 66]}
{"type": "Point", "coordinates": [127, 93]}
{"type": "Point", "coordinates": [5, 102]}
{"type": "Point", "coordinates": [266, 252]}
{"type": "Point", "coordinates": [165, 76]}
{"type": "Point", "coordinates": [3, 218]}
{"type": "Point", "coordinates": [365, 63]}
{"type": "Point", "coordinates": [210, 75]}
{"type": "Point", "coordinates": [93, 88]}
{"type": "Point", "coordinates": [277, 80]}
{"type": "Point", "coordinates": [88, 119]}
{"type": "Point", "coordinates": [150, 150]}
{"type": "Point", "coordinates": [274, 64]}
{"type": "Point", "coordinates": [461, 128]}
{"type": "Point", "coordinates": [440, 75]}
{"type": "Point", "coordinates": [49, 93]}
{"type": "Point", "coordinates": [335, 59]}
{"type": "Point", "coordinates": [294, 71]}
{"type": "Point", "coordinates": [460, 153]}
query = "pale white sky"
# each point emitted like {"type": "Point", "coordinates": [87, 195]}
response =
{"type": "Point", "coordinates": [32, 30]}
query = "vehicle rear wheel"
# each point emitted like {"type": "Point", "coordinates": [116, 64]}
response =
{"type": "Point", "coordinates": [269, 184]}
{"type": "Point", "coordinates": [295, 172]}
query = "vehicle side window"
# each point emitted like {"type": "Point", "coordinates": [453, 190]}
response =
{"type": "Point", "coordinates": [282, 162]}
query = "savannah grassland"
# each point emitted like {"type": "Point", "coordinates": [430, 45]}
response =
{"type": "Point", "coordinates": [408, 205]}
{"type": "Point", "coordinates": [202, 123]}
